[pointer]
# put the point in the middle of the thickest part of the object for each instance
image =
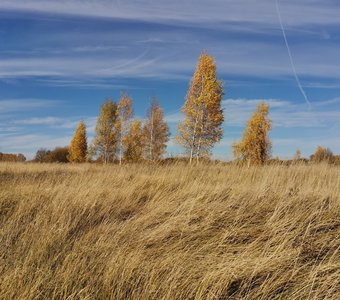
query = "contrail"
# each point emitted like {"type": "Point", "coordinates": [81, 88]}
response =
{"type": "Point", "coordinates": [290, 55]}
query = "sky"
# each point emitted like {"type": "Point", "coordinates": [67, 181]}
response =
{"type": "Point", "coordinates": [59, 60]}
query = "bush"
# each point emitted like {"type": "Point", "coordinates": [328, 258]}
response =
{"type": "Point", "coordinates": [12, 157]}
{"type": "Point", "coordinates": [59, 154]}
{"type": "Point", "coordinates": [323, 155]}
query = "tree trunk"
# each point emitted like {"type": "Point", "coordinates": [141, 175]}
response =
{"type": "Point", "coordinates": [151, 137]}
{"type": "Point", "coordinates": [193, 140]}
{"type": "Point", "coordinates": [198, 151]}
{"type": "Point", "coordinates": [121, 148]}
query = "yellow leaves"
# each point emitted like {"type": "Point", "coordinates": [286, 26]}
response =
{"type": "Point", "coordinates": [78, 147]}
{"type": "Point", "coordinates": [134, 142]}
{"type": "Point", "coordinates": [124, 108]}
{"type": "Point", "coordinates": [105, 140]}
{"type": "Point", "coordinates": [201, 127]}
{"type": "Point", "coordinates": [156, 132]}
{"type": "Point", "coordinates": [124, 113]}
{"type": "Point", "coordinates": [255, 146]}
{"type": "Point", "coordinates": [323, 154]}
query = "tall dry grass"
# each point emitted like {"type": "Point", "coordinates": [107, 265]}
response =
{"type": "Point", "coordinates": [169, 232]}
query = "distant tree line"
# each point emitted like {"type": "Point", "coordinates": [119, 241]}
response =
{"type": "Point", "coordinates": [12, 157]}
{"type": "Point", "coordinates": [122, 139]}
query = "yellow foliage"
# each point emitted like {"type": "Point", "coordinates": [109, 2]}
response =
{"type": "Point", "coordinates": [78, 146]}
{"type": "Point", "coordinates": [124, 113]}
{"type": "Point", "coordinates": [255, 146]}
{"type": "Point", "coordinates": [323, 154]}
{"type": "Point", "coordinates": [134, 142]}
{"type": "Point", "coordinates": [156, 132]}
{"type": "Point", "coordinates": [105, 141]}
{"type": "Point", "coordinates": [201, 128]}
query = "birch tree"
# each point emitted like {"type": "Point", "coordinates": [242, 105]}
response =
{"type": "Point", "coordinates": [105, 140]}
{"type": "Point", "coordinates": [203, 114]}
{"type": "Point", "coordinates": [255, 146]}
{"type": "Point", "coordinates": [124, 114]}
{"type": "Point", "coordinates": [156, 132]}
{"type": "Point", "coordinates": [134, 142]}
{"type": "Point", "coordinates": [78, 146]}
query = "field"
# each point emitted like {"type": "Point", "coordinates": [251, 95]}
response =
{"type": "Point", "coordinates": [169, 232]}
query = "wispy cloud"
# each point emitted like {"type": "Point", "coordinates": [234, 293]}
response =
{"type": "Point", "coordinates": [283, 113]}
{"type": "Point", "coordinates": [57, 122]}
{"type": "Point", "coordinates": [243, 58]}
{"type": "Point", "coordinates": [40, 121]}
{"type": "Point", "coordinates": [12, 105]}
{"type": "Point", "coordinates": [218, 11]}
{"type": "Point", "coordinates": [29, 142]}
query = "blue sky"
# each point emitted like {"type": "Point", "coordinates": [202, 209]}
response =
{"type": "Point", "coordinates": [60, 59]}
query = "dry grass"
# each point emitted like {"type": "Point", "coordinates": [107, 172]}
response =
{"type": "Point", "coordinates": [170, 232]}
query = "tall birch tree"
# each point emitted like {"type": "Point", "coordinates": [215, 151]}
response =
{"type": "Point", "coordinates": [156, 132]}
{"type": "Point", "coordinates": [203, 114]}
{"type": "Point", "coordinates": [105, 140]}
{"type": "Point", "coordinates": [124, 114]}
{"type": "Point", "coordinates": [134, 142]}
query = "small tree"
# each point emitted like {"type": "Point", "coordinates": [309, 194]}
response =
{"type": "Point", "coordinates": [78, 147]}
{"type": "Point", "coordinates": [297, 155]}
{"type": "Point", "coordinates": [57, 155]}
{"type": "Point", "coordinates": [201, 127]}
{"type": "Point", "coordinates": [134, 142]}
{"type": "Point", "coordinates": [105, 140]}
{"type": "Point", "coordinates": [40, 155]}
{"type": "Point", "coordinates": [322, 154]}
{"type": "Point", "coordinates": [21, 157]}
{"type": "Point", "coordinates": [255, 147]}
{"type": "Point", "coordinates": [156, 132]}
{"type": "Point", "coordinates": [124, 114]}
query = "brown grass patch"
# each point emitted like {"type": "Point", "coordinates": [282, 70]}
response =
{"type": "Point", "coordinates": [169, 232]}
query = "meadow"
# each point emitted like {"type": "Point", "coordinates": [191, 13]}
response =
{"type": "Point", "coordinates": [172, 231]}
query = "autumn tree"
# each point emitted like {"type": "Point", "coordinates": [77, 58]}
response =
{"type": "Point", "coordinates": [134, 142]}
{"type": "Point", "coordinates": [57, 155]}
{"type": "Point", "coordinates": [322, 154]}
{"type": "Point", "coordinates": [201, 127]}
{"type": "Point", "coordinates": [156, 132]}
{"type": "Point", "coordinates": [105, 140]}
{"type": "Point", "coordinates": [297, 155]}
{"type": "Point", "coordinates": [78, 146]}
{"type": "Point", "coordinates": [255, 147]}
{"type": "Point", "coordinates": [124, 114]}
{"type": "Point", "coordinates": [12, 157]}
{"type": "Point", "coordinates": [40, 155]}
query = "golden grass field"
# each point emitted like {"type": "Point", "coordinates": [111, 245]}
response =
{"type": "Point", "coordinates": [169, 232]}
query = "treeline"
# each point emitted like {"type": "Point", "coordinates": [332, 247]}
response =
{"type": "Point", "coordinates": [12, 157]}
{"type": "Point", "coordinates": [121, 138]}
{"type": "Point", "coordinates": [118, 137]}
